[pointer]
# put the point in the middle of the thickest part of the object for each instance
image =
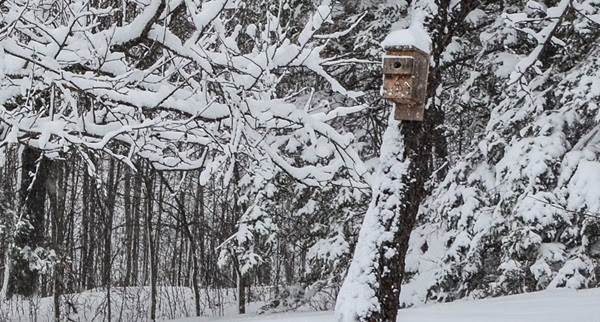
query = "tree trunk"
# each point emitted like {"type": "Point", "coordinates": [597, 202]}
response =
{"type": "Point", "coordinates": [241, 292]}
{"type": "Point", "coordinates": [108, 201]}
{"type": "Point", "coordinates": [238, 211]}
{"type": "Point", "coordinates": [153, 269]}
{"type": "Point", "coordinates": [10, 182]}
{"type": "Point", "coordinates": [190, 230]}
{"type": "Point", "coordinates": [372, 288]}
{"type": "Point", "coordinates": [127, 205]}
{"type": "Point", "coordinates": [199, 217]}
{"type": "Point", "coordinates": [71, 285]}
{"type": "Point", "coordinates": [57, 227]}
{"type": "Point", "coordinates": [34, 173]}
{"type": "Point", "coordinates": [135, 222]}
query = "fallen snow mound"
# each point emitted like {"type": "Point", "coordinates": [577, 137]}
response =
{"type": "Point", "coordinates": [557, 305]}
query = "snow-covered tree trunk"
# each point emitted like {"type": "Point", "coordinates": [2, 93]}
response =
{"type": "Point", "coordinates": [371, 289]}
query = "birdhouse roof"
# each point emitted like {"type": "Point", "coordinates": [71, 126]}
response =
{"type": "Point", "coordinates": [415, 36]}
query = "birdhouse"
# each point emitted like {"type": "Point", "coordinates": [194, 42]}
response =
{"type": "Point", "coordinates": [405, 72]}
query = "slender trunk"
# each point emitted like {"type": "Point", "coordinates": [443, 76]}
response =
{"type": "Point", "coordinates": [241, 291]}
{"type": "Point", "coordinates": [195, 284]}
{"type": "Point", "coordinates": [54, 187]}
{"type": "Point", "coordinates": [195, 272]}
{"type": "Point", "coordinates": [153, 269]}
{"type": "Point", "coordinates": [70, 240]}
{"type": "Point", "coordinates": [108, 208]}
{"type": "Point", "coordinates": [174, 258]}
{"type": "Point", "coordinates": [136, 211]}
{"type": "Point", "coordinates": [183, 249]}
{"type": "Point", "coordinates": [91, 263]}
{"type": "Point", "coordinates": [127, 202]}
{"type": "Point", "coordinates": [5, 279]}
{"type": "Point", "coordinates": [85, 215]}
{"type": "Point", "coordinates": [56, 295]}
{"type": "Point", "coordinates": [238, 210]}
{"type": "Point", "coordinates": [190, 230]}
{"type": "Point", "coordinates": [156, 240]}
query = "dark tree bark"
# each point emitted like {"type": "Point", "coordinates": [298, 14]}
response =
{"type": "Point", "coordinates": [73, 187]}
{"type": "Point", "coordinates": [136, 225]}
{"type": "Point", "coordinates": [87, 234]}
{"type": "Point", "coordinates": [107, 208]}
{"type": "Point", "coordinates": [56, 188]}
{"type": "Point", "coordinates": [151, 238]}
{"type": "Point", "coordinates": [127, 212]}
{"type": "Point", "coordinates": [197, 231]}
{"type": "Point", "coordinates": [34, 173]}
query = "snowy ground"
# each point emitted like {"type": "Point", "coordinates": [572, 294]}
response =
{"type": "Point", "coordinates": [557, 305]}
{"type": "Point", "coordinates": [128, 304]}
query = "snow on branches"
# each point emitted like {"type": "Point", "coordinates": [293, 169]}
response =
{"type": "Point", "coordinates": [518, 212]}
{"type": "Point", "coordinates": [184, 84]}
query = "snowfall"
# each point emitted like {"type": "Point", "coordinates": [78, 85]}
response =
{"type": "Point", "coordinates": [545, 306]}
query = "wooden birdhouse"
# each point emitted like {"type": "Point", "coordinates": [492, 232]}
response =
{"type": "Point", "coordinates": [405, 72]}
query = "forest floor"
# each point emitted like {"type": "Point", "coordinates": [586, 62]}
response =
{"type": "Point", "coordinates": [545, 306]}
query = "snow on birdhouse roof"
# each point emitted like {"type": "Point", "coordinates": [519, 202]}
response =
{"type": "Point", "coordinates": [415, 36]}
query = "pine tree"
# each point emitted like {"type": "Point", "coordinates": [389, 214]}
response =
{"type": "Point", "coordinates": [517, 212]}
